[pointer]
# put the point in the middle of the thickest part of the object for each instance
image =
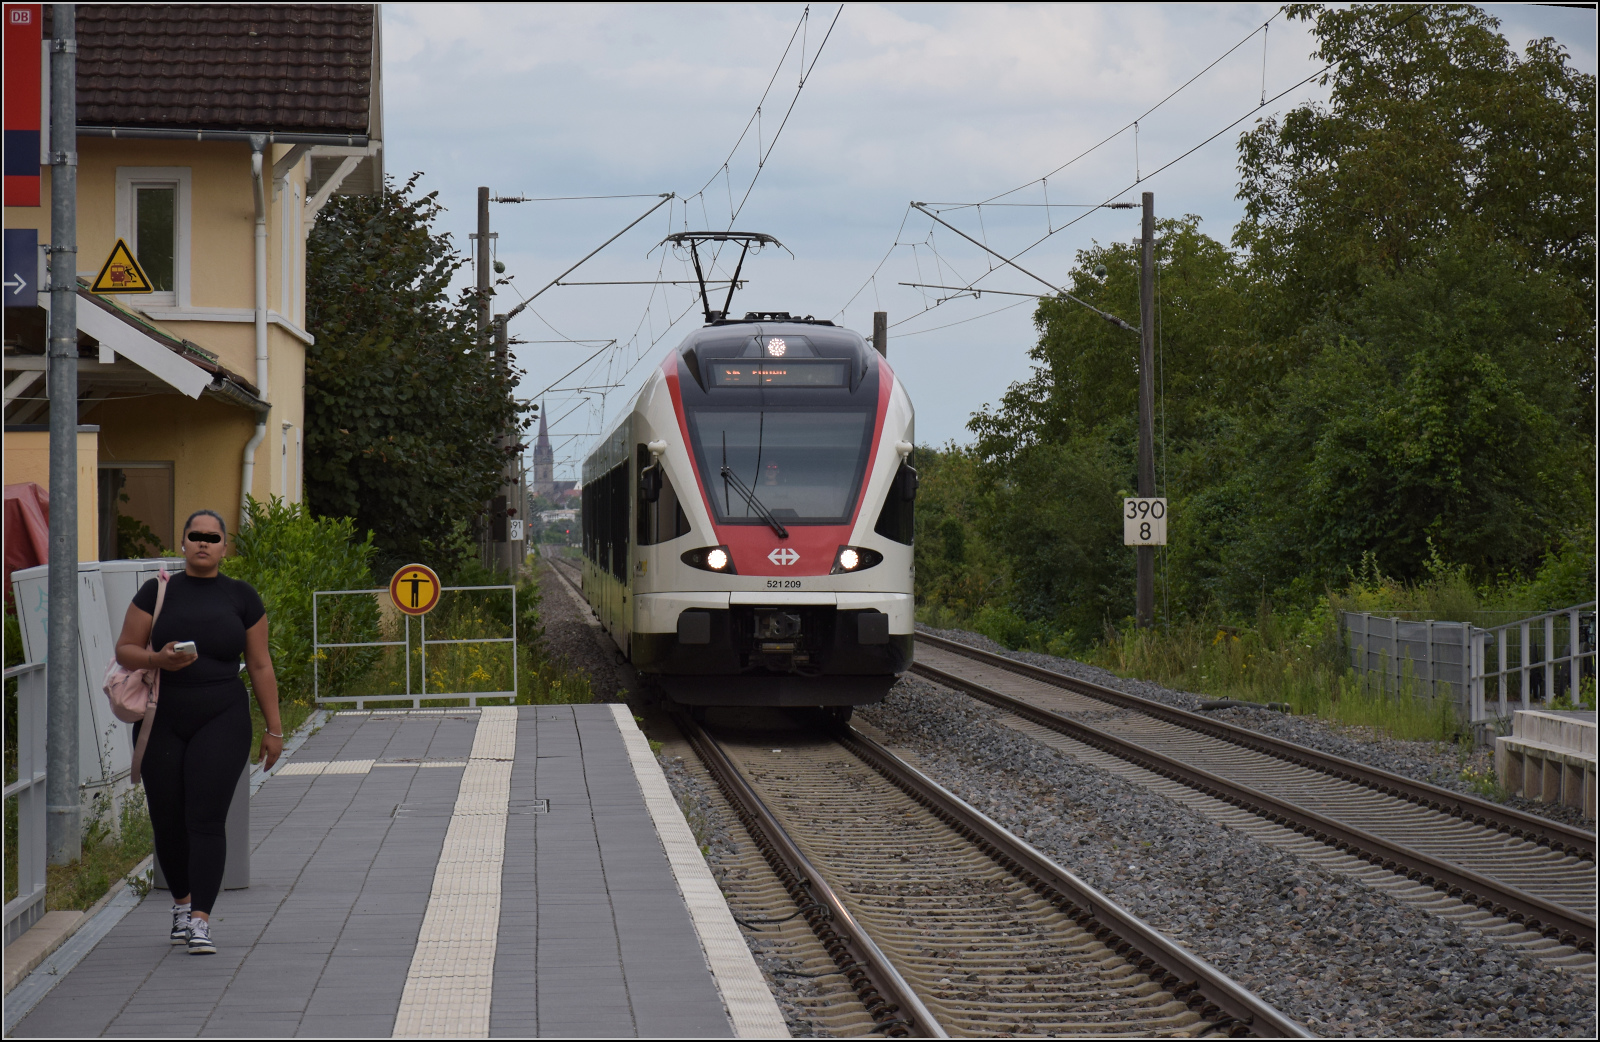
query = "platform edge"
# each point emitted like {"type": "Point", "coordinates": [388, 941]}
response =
{"type": "Point", "coordinates": [749, 1003]}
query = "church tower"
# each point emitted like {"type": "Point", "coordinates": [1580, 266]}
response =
{"type": "Point", "coordinates": [544, 459]}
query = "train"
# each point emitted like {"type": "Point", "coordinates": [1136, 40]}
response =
{"type": "Point", "coordinates": [748, 523]}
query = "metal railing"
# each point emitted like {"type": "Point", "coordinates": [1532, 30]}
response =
{"type": "Point", "coordinates": [27, 907]}
{"type": "Point", "coordinates": [1487, 672]}
{"type": "Point", "coordinates": [415, 697]}
{"type": "Point", "coordinates": [1539, 658]}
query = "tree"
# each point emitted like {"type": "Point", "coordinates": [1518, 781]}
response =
{"type": "Point", "coordinates": [1436, 131]}
{"type": "Point", "coordinates": [402, 405]}
{"type": "Point", "coordinates": [1424, 422]}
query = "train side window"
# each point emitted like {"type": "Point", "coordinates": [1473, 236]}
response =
{"type": "Point", "coordinates": [663, 518]}
{"type": "Point", "coordinates": [897, 520]}
{"type": "Point", "coordinates": [617, 510]}
{"type": "Point", "coordinates": [590, 506]}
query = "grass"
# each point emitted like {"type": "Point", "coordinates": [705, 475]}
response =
{"type": "Point", "coordinates": [1292, 658]}
{"type": "Point", "coordinates": [1282, 659]}
{"type": "Point", "coordinates": [107, 858]}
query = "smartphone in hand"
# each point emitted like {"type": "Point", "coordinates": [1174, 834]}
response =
{"type": "Point", "coordinates": [184, 647]}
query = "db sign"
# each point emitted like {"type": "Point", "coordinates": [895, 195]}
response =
{"type": "Point", "coordinates": [1144, 522]}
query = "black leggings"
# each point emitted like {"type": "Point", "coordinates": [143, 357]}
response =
{"type": "Point", "coordinates": [199, 744]}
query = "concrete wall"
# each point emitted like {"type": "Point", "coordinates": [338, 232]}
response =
{"type": "Point", "coordinates": [27, 458]}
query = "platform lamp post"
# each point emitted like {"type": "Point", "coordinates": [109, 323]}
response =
{"type": "Point", "coordinates": [63, 813]}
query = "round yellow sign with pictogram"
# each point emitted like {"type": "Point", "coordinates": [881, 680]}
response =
{"type": "Point", "coordinates": [415, 589]}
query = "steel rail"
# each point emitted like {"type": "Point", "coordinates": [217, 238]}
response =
{"type": "Point", "coordinates": [1499, 898]}
{"type": "Point", "coordinates": [1188, 977]}
{"type": "Point", "coordinates": [1556, 835]}
{"type": "Point", "coordinates": [879, 986]}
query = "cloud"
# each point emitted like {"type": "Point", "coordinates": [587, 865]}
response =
{"type": "Point", "coordinates": [946, 103]}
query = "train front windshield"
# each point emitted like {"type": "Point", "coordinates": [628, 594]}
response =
{"type": "Point", "coordinates": [804, 465]}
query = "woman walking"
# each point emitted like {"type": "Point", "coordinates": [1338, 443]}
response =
{"type": "Point", "coordinates": [200, 735]}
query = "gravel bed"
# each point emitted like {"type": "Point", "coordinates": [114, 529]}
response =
{"type": "Point", "coordinates": [568, 636]}
{"type": "Point", "coordinates": [1436, 763]}
{"type": "Point", "coordinates": [1323, 947]}
{"type": "Point", "coordinates": [708, 821]}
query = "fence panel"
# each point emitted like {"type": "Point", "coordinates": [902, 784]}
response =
{"type": "Point", "coordinates": [413, 694]}
{"type": "Point", "coordinates": [1487, 672]}
{"type": "Point", "coordinates": [27, 907]}
{"type": "Point", "coordinates": [1435, 658]}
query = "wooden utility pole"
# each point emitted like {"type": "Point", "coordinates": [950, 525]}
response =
{"type": "Point", "coordinates": [1146, 597]}
{"type": "Point", "coordinates": [485, 270]}
{"type": "Point", "coordinates": [506, 556]}
{"type": "Point", "coordinates": [880, 332]}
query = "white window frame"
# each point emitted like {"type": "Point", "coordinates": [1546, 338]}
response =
{"type": "Point", "coordinates": [179, 177]}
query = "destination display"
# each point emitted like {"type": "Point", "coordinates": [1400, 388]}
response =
{"type": "Point", "coordinates": [753, 373]}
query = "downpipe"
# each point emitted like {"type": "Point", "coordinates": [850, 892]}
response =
{"type": "Point", "coordinates": [258, 142]}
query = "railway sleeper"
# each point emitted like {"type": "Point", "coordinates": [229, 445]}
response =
{"type": "Point", "coordinates": [817, 917]}
{"type": "Point", "coordinates": [1476, 816]}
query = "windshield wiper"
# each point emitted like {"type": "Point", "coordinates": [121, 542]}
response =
{"type": "Point", "coordinates": [755, 504]}
{"type": "Point", "coordinates": [745, 491]}
{"type": "Point", "coordinates": [749, 498]}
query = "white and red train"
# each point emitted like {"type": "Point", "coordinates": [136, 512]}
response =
{"type": "Point", "coordinates": [747, 526]}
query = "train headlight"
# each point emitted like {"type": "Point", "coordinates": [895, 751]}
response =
{"type": "Point", "coordinates": [710, 559]}
{"type": "Point", "coordinates": [854, 559]}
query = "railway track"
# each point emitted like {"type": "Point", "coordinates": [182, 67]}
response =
{"type": "Point", "coordinates": [1516, 867]}
{"type": "Point", "coordinates": [944, 922]}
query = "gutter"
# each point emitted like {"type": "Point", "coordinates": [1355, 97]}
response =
{"type": "Point", "coordinates": [269, 137]}
{"type": "Point", "coordinates": [247, 475]}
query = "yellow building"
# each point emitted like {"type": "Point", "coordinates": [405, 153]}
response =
{"type": "Point", "coordinates": [209, 138]}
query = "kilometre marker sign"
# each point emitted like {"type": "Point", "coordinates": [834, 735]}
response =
{"type": "Point", "coordinates": [1144, 522]}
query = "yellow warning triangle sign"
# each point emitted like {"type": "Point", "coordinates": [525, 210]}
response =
{"type": "Point", "coordinates": [121, 273]}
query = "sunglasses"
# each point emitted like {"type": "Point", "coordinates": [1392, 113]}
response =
{"type": "Point", "coordinates": [205, 537]}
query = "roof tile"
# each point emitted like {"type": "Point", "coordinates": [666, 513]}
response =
{"type": "Point", "coordinates": [282, 67]}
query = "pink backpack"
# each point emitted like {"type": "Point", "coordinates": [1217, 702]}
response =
{"type": "Point", "coordinates": [134, 692]}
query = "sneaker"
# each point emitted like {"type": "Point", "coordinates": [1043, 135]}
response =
{"type": "Point", "coordinates": [180, 924]}
{"type": "Point", "coordinates": [200, 937]}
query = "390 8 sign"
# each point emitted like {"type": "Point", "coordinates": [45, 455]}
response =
{"type": "Point", "coordinates": [1144, 522]}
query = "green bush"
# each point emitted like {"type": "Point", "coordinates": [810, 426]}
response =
{"type": "Point", "coordinates": [287, 554]}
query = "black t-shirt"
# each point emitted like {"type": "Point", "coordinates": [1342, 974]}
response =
{"type": "Point", "coordinates": [214, 613]}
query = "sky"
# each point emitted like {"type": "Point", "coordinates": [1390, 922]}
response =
{"type": "Point", "coordinates": [941, 104]}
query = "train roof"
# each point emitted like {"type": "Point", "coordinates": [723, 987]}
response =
{"type": "Point", "coordinates": [821, 332]}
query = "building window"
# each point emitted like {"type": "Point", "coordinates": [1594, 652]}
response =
{"type": "Point", "coordinates": [153, 219]}
{"type": "Point", "coordinates": [136, 512]}
{"type": "Point", "coordinates": [155, 232]}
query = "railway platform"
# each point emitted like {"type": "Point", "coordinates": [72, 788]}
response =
{"type": "Point", "coordinates": [444, 873]}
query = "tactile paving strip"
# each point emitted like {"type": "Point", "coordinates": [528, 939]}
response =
{"type": "Point", "coordinates": [318, 767]}
{"type": "Point", "coordinates": [451, 980]}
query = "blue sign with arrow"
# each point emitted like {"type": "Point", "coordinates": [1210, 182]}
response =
{"type": "Point", "coordinates": [22, 268]}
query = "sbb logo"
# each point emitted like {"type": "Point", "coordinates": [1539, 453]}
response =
{"type": "Point", "coordinates": [783, 555]}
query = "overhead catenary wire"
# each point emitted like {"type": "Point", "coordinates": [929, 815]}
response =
{"type": "Point", "coordinates": [639, 345]}
{"type": "Point", "coordinates": [1133, 124]}
{"type": "Point", "coordinates": [964, 321]}
{"type": "Point", "coordinates": [1165, 166]}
